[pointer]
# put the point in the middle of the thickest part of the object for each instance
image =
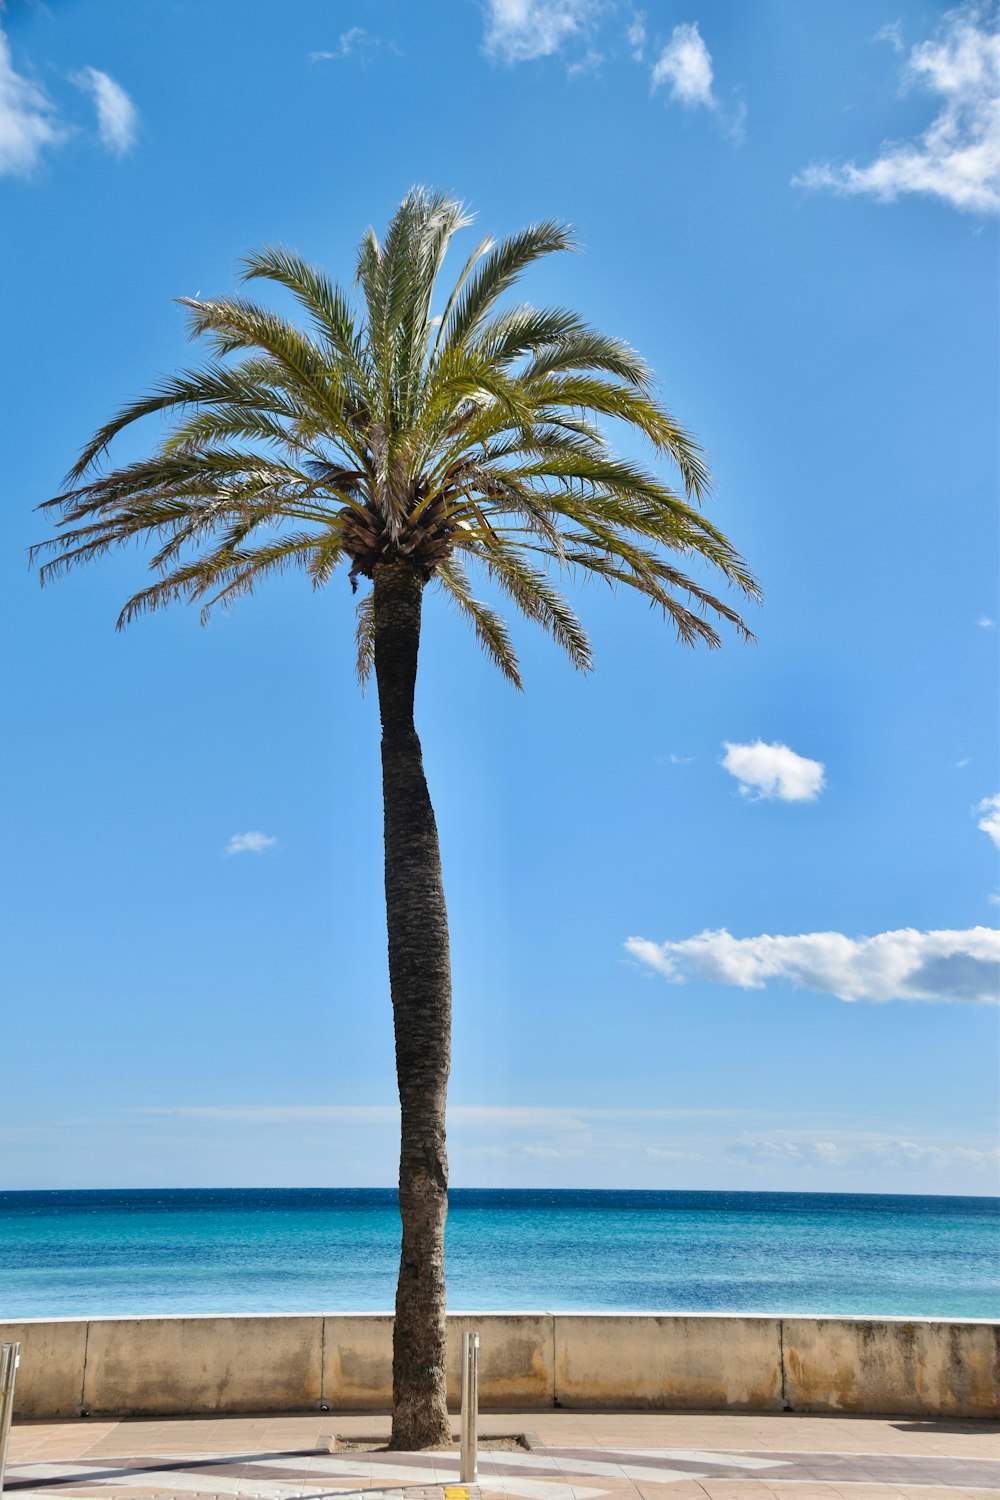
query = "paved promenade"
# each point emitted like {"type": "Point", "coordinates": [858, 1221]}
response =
{"type": "Point", "coordinates": [572, 1456]}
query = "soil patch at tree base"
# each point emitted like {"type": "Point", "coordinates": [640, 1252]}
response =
{"type": "Point", "coordinates": [515, 1443]}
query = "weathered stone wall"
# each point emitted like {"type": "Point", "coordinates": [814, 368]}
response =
{"type": "Point", "coordinates": [528, 1362]}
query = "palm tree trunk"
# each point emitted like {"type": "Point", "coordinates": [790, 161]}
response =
{"type": "Point", "coordinates": [420, 980]}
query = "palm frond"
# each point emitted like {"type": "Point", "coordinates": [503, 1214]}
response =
{"type": "Point", "coordinates": [484, 246]}
{"type": "Point", "coordinates": [326, 302]}
{"type": "Point", "coordinates": [584, 349]}
{"type": "Point", "coordinates": [364, 637]}
{"type": "Point", "coordinates": [225, 574]}
{"type": "Point", "coordinates": [235, 323]}
{"type": "Point", "coordinates": [522, 330]}
{"type": "Point", "coordinates": [605, 398]}
{"type": "Point", "coordinates": [214, 383]}
{"type": "Point", "coordinates": [497, 272]}
{"type": "Point", "coordinates": [533, 593]}
{"type": "Point", "coordinates": [490, 629]}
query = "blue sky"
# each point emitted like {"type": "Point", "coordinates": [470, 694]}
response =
{"type": "Point", "coordinates": [719, 920]}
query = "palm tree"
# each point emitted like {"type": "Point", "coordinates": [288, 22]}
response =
{"type": "Point", "coordinates": [410, 443]}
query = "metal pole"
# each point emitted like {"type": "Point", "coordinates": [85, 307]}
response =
{"type": "Point", "coordinates": [469, 1464]}
{"type": "Point", "coordinates": [10, 1358]}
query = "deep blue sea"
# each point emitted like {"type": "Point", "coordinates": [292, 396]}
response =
{"type": "Point", "coordinates": [70, 1254]}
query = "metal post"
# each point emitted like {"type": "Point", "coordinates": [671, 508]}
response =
{"type": "Point", "coordinates": [10, 1358]}
{"type": "Point", "coordinates": [469, 1464]}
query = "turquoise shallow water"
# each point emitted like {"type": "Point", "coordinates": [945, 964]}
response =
{"type": "Point", "coordinates": [65, 1254]}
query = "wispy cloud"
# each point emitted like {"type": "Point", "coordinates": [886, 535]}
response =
{"type": "Point", "coordinates": [520, 30]}
{"type": "Point", "coordinates": [28, 123]}
{"type": "Point", "coordinates": [901, 965]}
{"type": "Point", "coordinates": [774, 771]}
{"type": "Point", "coordinates": [892, 33]}
{"type": "Point", "coordinates": [117, 116]}
{"type": "Point", "coordinates": [589, 63]}
{"type": "Point", "coordinates": [510, 1116]}
{"type": "Point", "coordinates": [957, 158]}
{"type": "Point", "coordinates": [249, 843]}
{"type": "Point", "coordinates": [635, 35]}
{"type": "Point", "coordinates": [850, 1150]}
{"type": "Point", "coordinates": [990, 821]}
{"type": "Point", "coordinates": [544, 1145]}
{"type": "Point", "coordinates": [279, 1114]}
{"type": "Point", "coordinates": [986, 622]}
{"type": "Point", "coordinates": [356, 42]}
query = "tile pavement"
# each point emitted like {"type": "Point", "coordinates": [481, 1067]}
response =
{"type": "Point", "coordinates": [572, 1456]}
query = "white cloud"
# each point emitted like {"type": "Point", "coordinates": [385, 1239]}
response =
{"type": "Point", "coordinates": [957, 158]}
{"type": "Point", "coordinates": [590, 62]}
{"type": "Point", "coordinates": [986, 622]}
{"type": "Point", "coordinates": [352, 43]}
{"type": "Point", "coordinates": [351, 40]}
{"type": "Point", "coordinates": [767, 771]}
{"type": "Point", "coordinates": [27, 119]}
{"type": "Point", "coordinates": [891, 33]}
{"type": "Point", "coordinates": [117, 116]}
{"type": "Point", "coordinates": [519, 30]}
{"type": "Point", "coordinates": [686, 64]}
{"type": "Point", "coordinates": [902, 965]}
{"type": "Point", "coordinates": [249, 843]}
{"type": "Point", "coordinates": [990, 821]}
{"type": "Point", "coordinates": [636, 35]}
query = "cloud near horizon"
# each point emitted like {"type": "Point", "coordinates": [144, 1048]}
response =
{"type": "Point", "coordinates": [249, 843]}
{"type": "Point", "coordinates": [957, 158]}
{"type": "Point", "coordinates": [520, 1116]}
{"type": "Point", "coordinates": [902, 965]}
{"type": "Point", "coordinates": [859, 1149]}
{"type": "Point", "coordinates": [577, 1145]}
{"type": "Point", "coordinates": [774, 771]}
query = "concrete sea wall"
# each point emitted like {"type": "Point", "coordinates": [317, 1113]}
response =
{"type": "Point", "coordinates": [528, 1362]}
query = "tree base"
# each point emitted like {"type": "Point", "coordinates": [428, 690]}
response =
{"type": "Point", "coordinates": [416, 1429]}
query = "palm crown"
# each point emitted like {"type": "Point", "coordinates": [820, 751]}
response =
{"type": "Point", "coordinates": [469, 435]}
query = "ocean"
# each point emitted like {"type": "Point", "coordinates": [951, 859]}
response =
{"type": "Point", "coordinates": [100, 1253]}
